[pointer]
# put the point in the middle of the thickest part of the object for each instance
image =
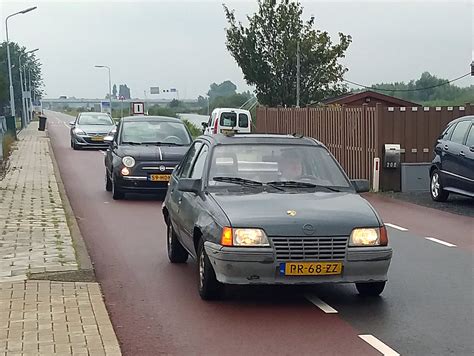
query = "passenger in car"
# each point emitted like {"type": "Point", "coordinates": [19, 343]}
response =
{"type": "Point", "coordinates": [290, 166]}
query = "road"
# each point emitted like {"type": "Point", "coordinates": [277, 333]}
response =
{"type": "Point", "coordinates": [426, 309]}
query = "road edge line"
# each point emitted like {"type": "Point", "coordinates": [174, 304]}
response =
{"type": "Point", "coordinates": [379, 345]}
{"type": "Point", "coordinates": [441, 242]}
{"type": "Point", "coordinates": [321, 305]}
{"type": "Point", "coordinates": [401, 228]}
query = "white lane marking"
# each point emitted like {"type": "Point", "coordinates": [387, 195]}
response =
{"type": "Point", "coordinates": [320, 304]}
{"type": "Point", "coordinates": [379, 345]}
{"type": "Point", "coordinates": [396, 227]}
{"type": "Point", "coordinates": [440, 242]}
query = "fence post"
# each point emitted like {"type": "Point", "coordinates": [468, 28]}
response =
{"type": "Point", "coordinates": [468, 109]}
{"type": "Point", "coordinates": [266, 112]}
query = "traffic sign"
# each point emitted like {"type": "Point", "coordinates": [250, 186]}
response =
{"type": "Point", "coordinates": [138, 108]}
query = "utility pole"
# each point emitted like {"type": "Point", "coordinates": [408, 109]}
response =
{"type": "Point", "coordinates": [298, 66]}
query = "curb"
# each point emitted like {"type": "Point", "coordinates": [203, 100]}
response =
{"type": "Point", "coordinates": [85, 272]}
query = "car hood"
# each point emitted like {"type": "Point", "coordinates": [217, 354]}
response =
{"type": "Point", "coordinates": [154, 153]}
{"type": "Point", "coordinates": [330, 214]}
{"type": "Point", "coordinates": [100, 129]}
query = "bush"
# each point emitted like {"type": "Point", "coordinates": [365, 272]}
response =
{"type": "Point", "coordinates": [161, 111]}
{"type": "Point", "coordinates": [193, 129]}
{"type": "Point", "coordinates": [7, 142]}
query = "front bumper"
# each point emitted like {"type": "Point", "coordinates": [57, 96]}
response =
{"type": "Point", "coordinates": [140, 184]}
{"type": "Point", "coordinates": [258, 266]}
{"type": "Point", "coordinates": [86, 141]}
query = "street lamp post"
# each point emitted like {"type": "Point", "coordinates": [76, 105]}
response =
{"type": "Point", "coordinates": [12, 94]}
{"type": "Point", "coordinates": [23, 89]}
{"type": "Point", "coordinates": [110, 87]}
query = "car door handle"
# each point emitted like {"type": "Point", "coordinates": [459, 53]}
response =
{"type": "Point", "coordinates": [462, 154]}
{"type": "Point", "coordinates": [446, 147]}
{"type": "Point", "coordinates": [180, 200]}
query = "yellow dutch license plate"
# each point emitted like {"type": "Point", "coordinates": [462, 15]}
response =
{"type": "Point", "coordinates": [160, 177]}
{"type": "Point", "coordinates": [310, 268]}
{"type": "Point", "coordinates": [97, 138]}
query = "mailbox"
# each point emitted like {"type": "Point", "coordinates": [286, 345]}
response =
{"type": "Point", "coordinates": [391, 156]}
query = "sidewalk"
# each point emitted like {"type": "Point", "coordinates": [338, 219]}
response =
{"type": "Point", "coordinates": [43, 317]}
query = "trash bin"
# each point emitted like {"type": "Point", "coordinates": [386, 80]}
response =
{"type": "Point", "coordinates": [42, 123]}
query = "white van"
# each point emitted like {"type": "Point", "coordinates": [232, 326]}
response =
{"type": "Point", "coordinates": [223, 120]}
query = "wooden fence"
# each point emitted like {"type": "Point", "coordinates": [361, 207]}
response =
{"type": "Point", "coordinates": [356, 135]}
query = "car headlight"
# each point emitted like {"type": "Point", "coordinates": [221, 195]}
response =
{"type": "Point", "coordinates": [369, 237]}
{"type": "Point", "coordinates": [244, 237]}
{"type": "Point", "coordinates": [128, 161]}
{"type": "Point", "coordinates": [79, 132]}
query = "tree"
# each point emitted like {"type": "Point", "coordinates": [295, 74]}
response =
{"type": "Point", "coordinates": [114, 91]}
{"type": "Point", "coordinates": [175, 103]}
{"type": "Point", "coordinates": [33, 70]}
{"type": "Point", "coordinates": [124, 91]}
{"type": "Point", "coordinates": [226, 88]}
{"type": "Point", "coordinates": [266, 51]}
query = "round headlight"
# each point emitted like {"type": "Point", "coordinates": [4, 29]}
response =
{"type": "Point", "coordinates": [128, 161]}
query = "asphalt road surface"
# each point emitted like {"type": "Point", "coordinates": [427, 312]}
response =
{"type": "Point", "coordinates": [426, 308]}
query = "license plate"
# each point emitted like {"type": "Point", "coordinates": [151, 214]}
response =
{"type": "Point", "coordinates": [310, 268]}
{"type": "Point", "coordinates": [97, 138]}
{"type": "Point", "coordinates": [160, 177]}
{"type": "Point", "coordinates": [228, 131]}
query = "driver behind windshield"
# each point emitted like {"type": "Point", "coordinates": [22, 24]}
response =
{"type": "Point", "coordinates": [290, 165]}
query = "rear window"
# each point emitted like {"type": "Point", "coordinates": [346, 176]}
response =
{"type": "Point", "coordinates": [460, 131]}
{"type": "Point", "coordinates": [228, 119]}
{"type": "Point", "coordinates": [243, 120]}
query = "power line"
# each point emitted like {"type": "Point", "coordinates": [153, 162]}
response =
{"type": "Point", "coordinates": [407, 90]}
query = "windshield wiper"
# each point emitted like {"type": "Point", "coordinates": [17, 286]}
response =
{"type": "Point", "coordinates": [163, 143]}
{"type": "Point", "coordinates": [295, 184]}
{"type": "Point", "coordinates": [131, 143]}
{"type": "Point", "coordinates": [237, 180]}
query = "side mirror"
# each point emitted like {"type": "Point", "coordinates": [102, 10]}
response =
{"type": "Point", "coordinates": [361, 185]}
{"type": "Point", "coordinates": [471, 148]}
{"type": "Point", "coordinates": [109, 139]}
{"type": "Point", "coordinates": [189, 185]}
{"type": "Point", "coordinates": [72, 123]}
{"type": "Point", "coordinates": [204, 125]}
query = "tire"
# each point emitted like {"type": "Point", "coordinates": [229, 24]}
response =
{"type": "Point", "coordinates": [371, 289]}
{"type": "Point", "coordinates": [208, 286]}
{"type": "Point", "coordinates": [436, 189]}
{"type": "Point", "coordinates": [108, 181]}
{"type": "Point", "coordinates": [176, 251]}
{"type": "Point", "coordinates": [117, 194]}
{"type": "Point", "coordinates": [75, 147]}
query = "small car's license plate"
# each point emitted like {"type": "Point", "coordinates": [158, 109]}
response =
{"type": "Point", "coordinates": [97, 138]}
{"type": "Point", "coordinates": [160, 177]}
{"type": "Point", "coordinates": [310, 268]}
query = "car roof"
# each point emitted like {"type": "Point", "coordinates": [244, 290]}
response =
{"type": "Point", "coordinates": [462, 118]}
{"type": "Point", "coordinates": [150, 118]}
{"type": "Point", "coordinates": [230, 109]}
{"type": "Point", "coordinates": [96, 113]}
{"type": "Point", "coordinates": [275, 139]}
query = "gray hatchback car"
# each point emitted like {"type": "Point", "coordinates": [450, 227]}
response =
{"type": "Point", "coordinates": [272, 209]}
{"type": "Point", "coordinates": [90, 128]}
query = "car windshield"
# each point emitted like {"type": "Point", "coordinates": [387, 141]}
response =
{"type": "Point", "coordinates": [86, 119]}
{"type": "Point", "coordinates": [155, 132]}
{"type": "Point", "coordinates": [297, 166]}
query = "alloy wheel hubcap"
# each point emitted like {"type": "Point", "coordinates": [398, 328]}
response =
{"type": "Point", "coordinates": [435, 185]}
{"type": "Point", "coordinates": [201, 270]}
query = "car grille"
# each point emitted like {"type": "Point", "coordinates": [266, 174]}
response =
{"type": "Point", "coordinates": [310, 248]}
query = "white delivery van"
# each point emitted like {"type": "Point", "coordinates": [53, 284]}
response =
{"type": "Point", "coordinates": [223, 120]}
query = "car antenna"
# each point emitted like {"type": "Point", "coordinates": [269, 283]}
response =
{"type": "Point", "coordinates": [297, 135]}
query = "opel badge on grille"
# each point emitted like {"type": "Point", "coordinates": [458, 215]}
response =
{"type": "Point", "coordinates": [308, 229]}
{"type": "Point", "coordinates": [162, 168]}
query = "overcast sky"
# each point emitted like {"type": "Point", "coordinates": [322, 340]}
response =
{"type": "Point", "coordinates": [181, 44]}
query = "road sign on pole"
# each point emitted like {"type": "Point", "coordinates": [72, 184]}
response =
{"type": "Point", "coordinates": [154, 90]}
{"type": "Point", "coordinates": [138, 108]}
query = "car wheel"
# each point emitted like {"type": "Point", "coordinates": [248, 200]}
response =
{"type": "Point", "coordinates": [370, 289]}
{"type": "Point", "coordinates": [108, 182]}
{"type": "Point", "coordinates": [436, 189]}
{"type": "Point", "coordinates": [209, 287]}
{"type": "Point", "coordinates": [75, 146]}
{"type": "Point", "coordinates": [117, 194]}
{"type": "Point", "coordinates": [176, 251]}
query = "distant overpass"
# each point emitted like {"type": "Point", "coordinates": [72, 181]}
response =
{"type": "Point", "coordinates": [49, 103]}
